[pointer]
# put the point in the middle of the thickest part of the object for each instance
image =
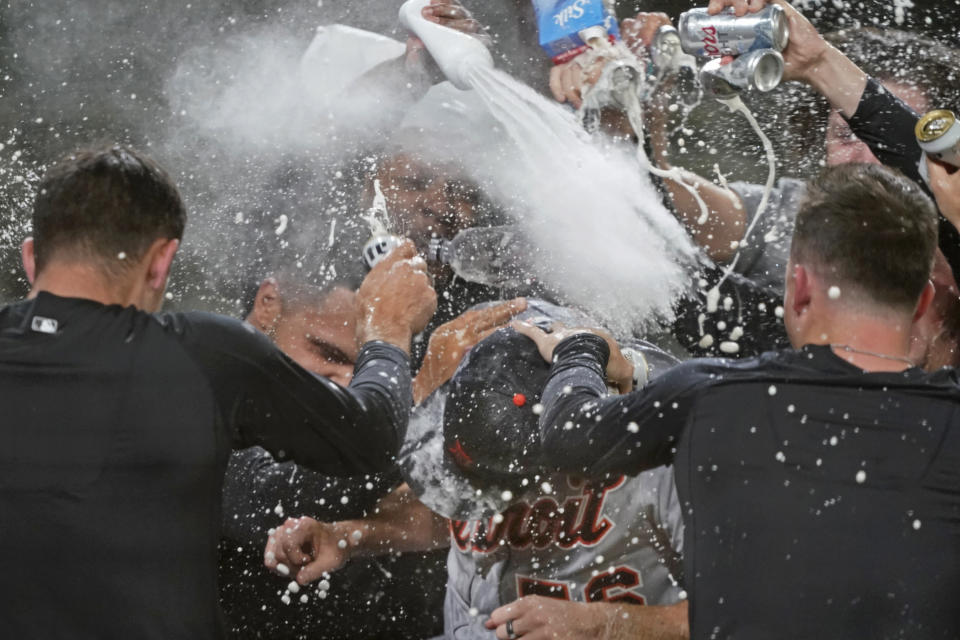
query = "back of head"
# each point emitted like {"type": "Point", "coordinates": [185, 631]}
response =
{"type": "Point", "coordinates": [869, 230]}
{"type": "Point", "coordinates": [106, 206]}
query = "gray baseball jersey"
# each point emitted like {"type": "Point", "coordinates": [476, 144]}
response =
{"type": "Point", "coordinates": [609, 540]}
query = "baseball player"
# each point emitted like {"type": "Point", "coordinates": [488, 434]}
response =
{"type": "Point", "coordinates": [520, 535]}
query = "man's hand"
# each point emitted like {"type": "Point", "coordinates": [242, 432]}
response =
{"type": "Point", "coordinates": [809, 58]}
{"type": "Point", "coordinates": [619, 368]}
{"type": "Point", "coordinates": [540, 618]}
{"type": "Point", "coordinates": [570, 80]}
{"type": "Point", "coordinates": [945, 184]}
{"type": "Point", "coordinates": [740, 7]}
{"type": "Point", "coordinates": [306, 548]}
{"type": "Point", "coordinates": [638, 32]}
{"type": "Point", "coordinates": [396, 300]}
{"type": "Point", "coordinates": [806, 49]}
{"type": "Point", "coordinates": [450, 342]}
{"type": "Point", "coordinates": [446, 13]}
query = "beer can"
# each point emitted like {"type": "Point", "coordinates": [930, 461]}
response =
{"type": "Point", "coordinates": [938, 134]}
{"type": "Point", "coordinates": [665, 48]}
{"type": "Point", "coordinates": [379, 247]}
{"type": "Point", "coordinates": [724, 34]}
{"type": "Point", "coordinates": [758, 70]}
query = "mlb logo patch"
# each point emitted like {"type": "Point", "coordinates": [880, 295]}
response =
{"type": "Point", "coordinates": [44, 325]}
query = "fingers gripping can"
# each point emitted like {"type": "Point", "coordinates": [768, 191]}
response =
{"type": "Point", "coordinates": [938, 134]}
{"type": "Point", "coordinates": [759, 70]}
{"type": "Point", "coordinates": [724, 34]}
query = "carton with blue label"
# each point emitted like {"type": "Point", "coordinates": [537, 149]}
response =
{"type": "Point", "coordinates": [566, 26]}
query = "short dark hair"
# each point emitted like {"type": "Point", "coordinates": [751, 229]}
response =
{"type": "Point", "coordinates": [871, 229]}
{"type": "Point", "coordinates": [105, 203]}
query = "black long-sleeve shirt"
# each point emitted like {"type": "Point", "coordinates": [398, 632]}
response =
{"type": "Point", "coordinates": [116, 428]}
{"type": "Point", "coordinates": [887, 124]}
{"type": "Point", "coordinates": [819, 501]}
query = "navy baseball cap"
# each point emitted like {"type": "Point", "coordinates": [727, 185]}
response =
{"type": "Point", "coordinates": [476, 441]}
{"type": "Point", "coordinates": [474, 444]}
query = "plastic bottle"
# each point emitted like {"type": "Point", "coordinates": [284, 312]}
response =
{"type": "Point", "coordinates": [494, 256]}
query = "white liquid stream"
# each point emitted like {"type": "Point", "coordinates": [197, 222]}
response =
{"type": "Point", "coordinates": [377, 218]}
{"type": "Point", "coordinates": [634, 110]}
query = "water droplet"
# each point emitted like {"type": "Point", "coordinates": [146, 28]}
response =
{"type": "Point", "coordinates": [729, 347]}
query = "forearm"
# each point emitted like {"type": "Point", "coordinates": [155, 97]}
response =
{"type": "Point", "coordinates": [591, 433]}
{"type": "Point", "coordinates": [574, 406]}
{"type": "Point", "coordinates": [630, 622]}
{"type": "Point", "coordinates": [335, 430]}
{"type": "Point", "coordinates": [726, 216]}
{"type": "Point", "coordinates": [402, 524]}
{"type": "Point", "coordinates": [886, 124]}
{"type": "Point", "coordinates": [838, 80]}
{"type": "Point", "coordinates": [383, 386]}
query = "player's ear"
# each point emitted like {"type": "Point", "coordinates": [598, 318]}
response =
{"type": "Point", "coordinates": [267, 307]}
{"type": "Point", "coordinates": [160, 256]}
{"type": "Point", "coordinates": [29, 259]}
{"type": "Point", "coordinates": [926, 299]}
{"type": "Point", "coordinates": [802, 288]}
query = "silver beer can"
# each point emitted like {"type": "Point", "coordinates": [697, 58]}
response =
{"type": "Point", "coordinates": [758, 71]}
{"type": "Point", "coordinates": [665, 48]}
{"type": "Point", "coordinates": [724, 34]}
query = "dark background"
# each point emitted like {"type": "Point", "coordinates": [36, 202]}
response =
{"type": "Point", "coordinates": [75, 73]}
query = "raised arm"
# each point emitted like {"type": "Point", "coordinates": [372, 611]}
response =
{"type": "Point", "coordinates": [264, 398]}
{"type": "Point", "coordinates": [310, 548]}
{"type": "Point", "coordinates": [591, 433]}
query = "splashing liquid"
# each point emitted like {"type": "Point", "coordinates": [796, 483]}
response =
{"type": "Point", "coordinates": [378, 218]}
{"type": "Point", "coordinates": [736, 105]}
{"type": "Point", "coordinates": [634, 108]}
{"type": "Point", "coordinates": [381, 241]}
{"type": "Point", "coordinates": [612, 245]}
